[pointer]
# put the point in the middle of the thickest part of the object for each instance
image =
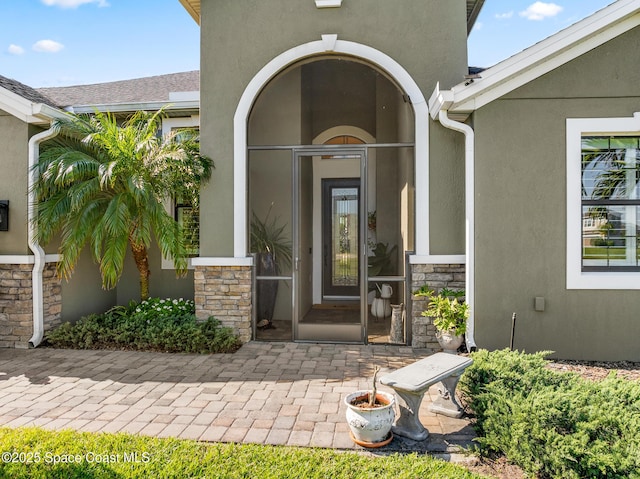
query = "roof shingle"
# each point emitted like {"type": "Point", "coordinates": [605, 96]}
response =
{"type": "Point", "coordinates": [139, 90]}
{"type": "Point", "coordinates": [24, 91]}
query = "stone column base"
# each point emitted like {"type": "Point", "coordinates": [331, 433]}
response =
{"type": "Point", "coordinates": [436, 276]}
{"type": "Point", "coordinates": [16, 303]}
{"type": "Point", "coordinates": [224, 292]}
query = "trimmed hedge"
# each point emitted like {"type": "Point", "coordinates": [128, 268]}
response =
{"type": "Point", "coordinates": [554, 424]}
{"type": "Point", "coordinates": [153, 325]}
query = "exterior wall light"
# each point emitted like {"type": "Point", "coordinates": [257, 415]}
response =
{"type": "Point", "coordinates": [328, 3]}
{"type": "Point", "coordinates": [4, 215]}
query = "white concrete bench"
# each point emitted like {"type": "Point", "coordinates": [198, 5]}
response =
{"type": "Point", "coordinates": [412, 382]}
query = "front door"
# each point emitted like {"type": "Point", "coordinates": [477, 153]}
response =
{"type": "Point", "coordinates": [341, 238]}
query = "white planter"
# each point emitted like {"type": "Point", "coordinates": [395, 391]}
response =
{"type": "Point", "coordinates": [448, 341]}
{"type": "Point", "coordinates": [370, 427]}
{"type": "Point", "coordinates": [380, 308]}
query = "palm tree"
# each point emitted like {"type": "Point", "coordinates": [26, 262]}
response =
{"type": "Point", "coordinates": [105, 184]}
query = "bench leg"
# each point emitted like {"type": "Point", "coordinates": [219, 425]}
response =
{"type": "Point", "coordinates": [446, 402]}
{"type": "Point", "coordinates": [408, 424]}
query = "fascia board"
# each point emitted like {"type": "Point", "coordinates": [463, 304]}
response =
{"type": "Point", "coordinates": [439, 100]}
{"type": "Point", "coordinates": [146, 106]}
{"type": "Point", "coordinates": [547, 55]}
{"type": "Point", "coordinates": [17, 106]}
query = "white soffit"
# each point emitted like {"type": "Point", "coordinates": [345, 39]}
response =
{"type": "Point", "coordinates": [547, 55]}
{"type": "Point", "coordinates": [328, 3]}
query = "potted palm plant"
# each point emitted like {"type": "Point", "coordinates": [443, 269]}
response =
{"type": "Point", "coordinates": [370, 415]}
{"type": "Point", "coordinates": [449, 313]}
{"type": "Point", "coordinates": [273, 254]}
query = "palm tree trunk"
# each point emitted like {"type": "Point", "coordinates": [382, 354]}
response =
{"type": "Point", "coordinates": [142, 263]}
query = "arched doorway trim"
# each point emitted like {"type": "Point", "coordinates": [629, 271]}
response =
{"type": "Point", "coordinates": [330, 44]}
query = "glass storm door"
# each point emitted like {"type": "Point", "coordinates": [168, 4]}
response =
{"type": "Point", "coordinates": [329, 278]}
{"type": "Point", "coordinates": [341, 238]}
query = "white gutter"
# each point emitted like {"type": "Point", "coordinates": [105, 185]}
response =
{"type": "Point", "coordinates": [177, 105]}
{"type": "Point", "coordinates": [38, 252]}
{"type": "Point", "coordinates": [469, 161]}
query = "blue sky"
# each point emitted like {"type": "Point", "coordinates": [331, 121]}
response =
{"type": "Point", "coordinates": [506, 27]}
{"type": "Point", "coordinates": [72, 42]}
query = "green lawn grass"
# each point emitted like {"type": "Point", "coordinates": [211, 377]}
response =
{"type": "Point", "coordinates": [602, 252]}
{"type": "Point", "coordinates": [69, 454]}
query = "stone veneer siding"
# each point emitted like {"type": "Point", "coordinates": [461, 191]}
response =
{"type": "Point", "coordinates": [224, 292]}
{"type": "Point", "coordinates": [16, 303]}
{"type": "Point", "coordinates": [436, 276]}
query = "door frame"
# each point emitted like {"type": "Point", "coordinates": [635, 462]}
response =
{"type": "Point", "coordinates": [346, 333]}
{"type": "Point", "coordinates": [326, 230]}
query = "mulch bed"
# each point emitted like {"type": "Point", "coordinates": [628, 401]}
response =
{"type": "Point", "coordinates": [598, 370]}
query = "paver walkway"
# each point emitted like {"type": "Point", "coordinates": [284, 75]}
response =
{"type": "Point", "coordinates": [269, 393]}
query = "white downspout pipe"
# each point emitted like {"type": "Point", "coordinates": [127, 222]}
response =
{"type": "Point", "coordinates": [469, 161]}
{"type": "Point", "coordinates": [38, 252]}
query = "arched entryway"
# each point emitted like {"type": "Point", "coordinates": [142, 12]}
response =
{"type": "Point", "coordinates": [344, 211]}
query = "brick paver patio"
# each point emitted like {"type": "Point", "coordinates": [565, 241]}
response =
{"type": "Point", "coordinates": [267, 393]}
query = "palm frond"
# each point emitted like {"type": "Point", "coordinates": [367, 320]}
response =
{"type": "Point", "coordinates": [103, 183]}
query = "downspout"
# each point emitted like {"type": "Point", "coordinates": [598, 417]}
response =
{"type": "Point", "coordinates": [469, 161]}
{"type": "Point", "coordinates": [38, 252]}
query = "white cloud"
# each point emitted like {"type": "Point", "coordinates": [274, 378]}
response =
{"type": "Point", "coordinates": [541, 10]}
{"type": "Point", "coordinates": [477, 26]}
{"type": "Point", "coordinates": [47, 46]}
{"type": "Point", "coordinates": [504, 16]}
{"type": "Point", "coordinates": [73, 3]}
{"type": "Point", "coordinates": [15, 49]}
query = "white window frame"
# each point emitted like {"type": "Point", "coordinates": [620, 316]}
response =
{"type": "Point", "coordinates": [576, 129]}
{"type": "Point", "coordinates": [169, 124]}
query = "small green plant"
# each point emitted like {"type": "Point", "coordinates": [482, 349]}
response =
{"type": "Point", "coordinates": [167, 325]}
{"type": "Point", "coordinates": [448, 310]}
{"type": "Point", "coordinates": [381, 262]}
{"type": "Point", "coordinates": [267, 236]}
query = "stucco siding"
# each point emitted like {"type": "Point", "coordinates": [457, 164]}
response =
{"type": "Point", "coordinates": [14, 137]}
{"type": "Point", "coordinates": [520, 240]}
{"type": "Point", "coordinates": [427, 38]}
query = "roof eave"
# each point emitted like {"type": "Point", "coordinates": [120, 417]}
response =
{"type": "Point", "coordinates": [193, 8]}
{"type": "Point", "coordinates": [27, 111]}
{"type": "Point", "coordinates": [543, 57]}
{"type": "Point", "coordinates": [472, 13]}
{"type": "Point", "coordinates": [473, 10]}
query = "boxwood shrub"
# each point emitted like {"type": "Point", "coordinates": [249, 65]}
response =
{"type": "Point", "coordinates": [554, 424]}
{"type": "Point", "coordinates": [156, 324]}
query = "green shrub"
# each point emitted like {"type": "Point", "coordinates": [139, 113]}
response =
{"type": "Point", "coordinates": [153, 325]}
{"type": "Point", "coordinates": [554, 424]}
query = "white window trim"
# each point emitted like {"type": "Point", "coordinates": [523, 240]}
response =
{"type": "Point", "coordinates": [168, 124]}
{"type": "Point", "coordinates": [576, 129]}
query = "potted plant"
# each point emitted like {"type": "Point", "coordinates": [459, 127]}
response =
{"type": "Point", "coordinates": [449, 313]}
{"type": "Point", "coordinates": [381, 262]}
{"type": "Point", "coordinates": [370, 415]}
{"type": "Point", "coordinates": [273, 253]}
